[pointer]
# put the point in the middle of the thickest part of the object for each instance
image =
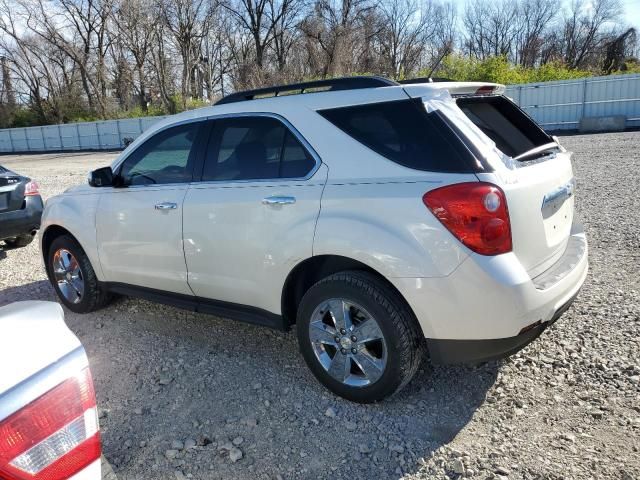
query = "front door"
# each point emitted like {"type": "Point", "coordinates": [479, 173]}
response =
{"type": "Point", "coordinates": [139, 225]}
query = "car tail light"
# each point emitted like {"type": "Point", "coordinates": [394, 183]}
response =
{"type": "Point", "coordinates": [475, 213]}
{"type": "Point", "coordinates": [53, 437]}
{"type": "Point", "coordinates": [485, 90]}
{"type": "Point", "coordinates": [31, 188]}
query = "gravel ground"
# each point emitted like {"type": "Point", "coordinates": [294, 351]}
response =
{"type": "Point", "coordinates": [188, 395]}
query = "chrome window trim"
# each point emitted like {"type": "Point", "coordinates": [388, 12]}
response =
{"type": "Point", "coordinates": [276, 116]}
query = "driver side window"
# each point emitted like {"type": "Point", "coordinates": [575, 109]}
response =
{"type": "Point", "coordinates": [166, 157]}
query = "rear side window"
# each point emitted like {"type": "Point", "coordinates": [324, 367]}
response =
{"type": "Point", "coordinates": [405, 133]}
{"type": "Point", "coordinates": [503, 122]}
{"type": "Point", "coordinates": [254, 148]}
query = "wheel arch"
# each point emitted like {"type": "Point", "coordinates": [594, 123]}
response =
{"type": "Point", "coordinates": [309, 271]}
{"type": "Point", "coordinates": [53, 231]}
{"type": "Point", "coordinates": [49, 235]}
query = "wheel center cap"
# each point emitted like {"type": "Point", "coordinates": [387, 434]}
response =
{"type": "Point", "coordinates": [68, 276]}
{"type": "Point", "coordinates": [345, 342]}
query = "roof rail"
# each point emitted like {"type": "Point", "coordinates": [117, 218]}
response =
{"type": "Point", "coordinates": [331, 84]}
{"type": "Point", "coordinates": [411, 81]}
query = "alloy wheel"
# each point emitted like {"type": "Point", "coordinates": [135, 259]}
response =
{"type": "Point", "coordinates": [348, 342]}
{"type": "Point", "coordinates": [68, 275]}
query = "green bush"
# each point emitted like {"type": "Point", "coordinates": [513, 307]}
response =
{"type": "Point", "coordinates": [500, 70]}
{"type": "Point", "coordinates": [25, 117]}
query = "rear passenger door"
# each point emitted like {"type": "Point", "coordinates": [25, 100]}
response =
{"type": "Point", "coordinates": [251, 216]}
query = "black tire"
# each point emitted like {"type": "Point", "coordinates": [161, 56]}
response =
{"type": "Point", "coordinates": [20, 241]}
{"type": "Point", "coordinates": [400, 329]}
{"type": "Point", "coordinates": [95, 295]}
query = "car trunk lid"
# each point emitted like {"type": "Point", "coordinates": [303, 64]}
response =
{"type": "Point", "coordinates": [540, 198]}
{"type": "Point", "coordinates": [532, 169]}
{"type": "Point", "coordinates": [536, 176]}
{"type": "Point", "coordinates": [11, 190]}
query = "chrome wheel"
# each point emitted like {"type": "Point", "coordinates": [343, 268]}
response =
{"type": "Point", "coordinates": [68, 275]}
{"type": "Point", "coordinates": [348, 342]}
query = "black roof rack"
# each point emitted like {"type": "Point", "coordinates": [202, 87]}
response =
{"type": "Point", "coordinates": [332, 84]}
{"type": "Point", "coordinates": [424, 80]}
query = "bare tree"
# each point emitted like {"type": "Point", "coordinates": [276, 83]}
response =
{"type": "Point", "coordinates": [187, 21]}
{"type": "Point", "coordinates": [535, 18]}
{"type": "Point", "coordinates": [78, 28]}
{"type": "Point", "coordinates": [491, 27]}
{"type": "Point", "coordinates": [408, 28]}
{"type": "Point", "coordinates": [134, 20]}
{"type": "Point", "coordinates": [333, 30]}
{"type": "Point", "coordinates": [66, 59]}
{"type": "Point", "coordinates": [583, 30]}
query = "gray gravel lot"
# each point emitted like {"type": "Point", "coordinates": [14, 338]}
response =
{"type": "Point", "coordinates": [189, 395]}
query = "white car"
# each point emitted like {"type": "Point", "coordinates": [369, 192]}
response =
{"type": "Point", "coordinates": [371, 214]}
{"type": "Point", "coordinates": [48, 417]}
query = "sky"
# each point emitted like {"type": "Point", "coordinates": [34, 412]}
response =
{"type": "Point", "coordinates": [632, 12]}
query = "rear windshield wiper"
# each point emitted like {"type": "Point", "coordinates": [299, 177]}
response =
{"type": "Point", "coordinates": [537, 151]}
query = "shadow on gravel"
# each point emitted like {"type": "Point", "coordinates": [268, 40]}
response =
{"type": "Point", "coordinates": [164, 375]}
{"type": "Point", "coordinates": [40, 290]}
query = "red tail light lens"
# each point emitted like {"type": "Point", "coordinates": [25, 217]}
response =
{"type": "Point", "coordinates": [485, 90]}
{"type": "Point", "coordinates": [31, 188]}
{"type": "Point", "coordinates": [53, 437]}
{"type": "Point", "coordinates": [475, 213]}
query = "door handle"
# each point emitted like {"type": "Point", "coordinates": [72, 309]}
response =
{"type": "Point", "coordinates": [278, 200]}
{"type": "Point", "coordinates": [166, 206]}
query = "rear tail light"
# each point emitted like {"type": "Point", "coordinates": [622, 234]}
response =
{"type": "Point", "coordinates": [53, 437]}
{"type": "Point", "coordinates": [475, 213]}
{"type": "Point", "coordinates": [485, 90]}
{"type": "Point", "coordinates": [31, 188]}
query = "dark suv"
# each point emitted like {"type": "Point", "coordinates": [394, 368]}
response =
{"type": "Point", "coordinates": [20, 208]}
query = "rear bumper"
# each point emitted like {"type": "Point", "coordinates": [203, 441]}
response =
{"type": "Point", "coordinates": [476, 351]}
{"type": "Point", "coordinates": [494, 299]}
{"type": "Point", "coordinates": [23, 221]}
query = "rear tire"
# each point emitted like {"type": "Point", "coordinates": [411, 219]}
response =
{"type": "Point", "coordinates": [380, 347]}
{"type": "Point", "coordinates": [20, 241]}
{"type": "Point", "coordinates": [73, 277]}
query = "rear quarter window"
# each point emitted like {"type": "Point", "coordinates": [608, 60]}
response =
{"type": "Point", "coordinates": [403, 132]}
{"type": "Point", "coordinates": [512, 130]}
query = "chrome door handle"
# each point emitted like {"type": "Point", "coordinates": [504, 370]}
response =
{"type": "Point", "coordinates": [278, 200]}
{"type": "Point", "coordinates": [166, 206]}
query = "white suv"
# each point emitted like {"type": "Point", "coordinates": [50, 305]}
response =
{"type": "Point", "coordinates": [382, 219]}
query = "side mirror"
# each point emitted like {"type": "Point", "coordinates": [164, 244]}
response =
{"type": "Point", "coordinates": [102, 177]}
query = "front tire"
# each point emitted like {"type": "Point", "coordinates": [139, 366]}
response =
{"type": "Point", "coordinates": [73, 277]}
{"type": "Point", "coordinates": [358, 336]}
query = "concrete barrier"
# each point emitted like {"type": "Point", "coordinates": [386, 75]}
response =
{"type": "Point", "coordinates": [602, 124]}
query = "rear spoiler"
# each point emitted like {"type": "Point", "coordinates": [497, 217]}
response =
{"type": "Point", "coordinates": [459, 89]}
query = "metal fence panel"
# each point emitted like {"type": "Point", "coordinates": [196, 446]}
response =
{"type": "Point", "coordinates": [52, 140]}
{"type": "Point", "coordinates": [104, 135]}
{"type": "Point", "coordinates": [559, 105]}
{"type": "Point", "coordinates": [555, 105]}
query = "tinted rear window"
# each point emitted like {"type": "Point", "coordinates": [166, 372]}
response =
{"type": "Point", "coordinates": [405, 133]}
{"type": "Point", "coordinates": [503, 122]}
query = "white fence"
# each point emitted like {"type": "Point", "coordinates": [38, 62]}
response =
{"type": "Point", "coordinates": [105, 135]}
{"type": "Point", "coordinates": [558, 105]}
